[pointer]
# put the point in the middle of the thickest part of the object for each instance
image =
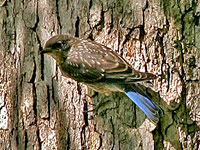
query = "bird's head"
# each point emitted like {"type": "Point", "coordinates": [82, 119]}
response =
{"type": "Point", "coordinates": [57, 46]}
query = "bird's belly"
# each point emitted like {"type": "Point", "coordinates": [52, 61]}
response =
{"type": "Point", "coordinates": [105, 88]}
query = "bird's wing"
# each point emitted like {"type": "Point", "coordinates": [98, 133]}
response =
{"type": "Point", "coordinates": [103, 62]}
{"type": "Point", "coordinates": [94, 56]}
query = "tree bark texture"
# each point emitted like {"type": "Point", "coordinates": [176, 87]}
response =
{"type": "Point", "coordinates": [41, 109]}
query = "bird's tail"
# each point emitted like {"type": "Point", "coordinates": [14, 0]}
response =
{"type": "Point", "coordinates": [152, 110]}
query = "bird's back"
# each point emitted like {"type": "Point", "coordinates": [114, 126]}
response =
{"type": "Point", "coordinates": [89, 61]}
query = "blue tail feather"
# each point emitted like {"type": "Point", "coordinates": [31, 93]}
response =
{"type": "Point", "coordinates": [152, 110]}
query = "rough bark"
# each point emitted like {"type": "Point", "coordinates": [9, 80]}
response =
{"type": "Point", "coordinates": [40, 109]}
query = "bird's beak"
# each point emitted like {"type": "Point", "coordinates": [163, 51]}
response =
{"type": "Point", "coordinates": [43, 51]}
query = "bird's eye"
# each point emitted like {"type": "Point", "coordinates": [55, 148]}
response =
{"type": "Point", "coordinates": [58, 45]}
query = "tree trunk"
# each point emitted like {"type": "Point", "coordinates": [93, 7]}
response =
{"type": "Point", "coordinates": [41, 109]}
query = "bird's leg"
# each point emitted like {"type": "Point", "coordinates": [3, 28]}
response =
{"type": "Point", "coordinates": [90, 101]}
{"type": "Point", "coordinates": [90, 96]}
{"type": "Point", "coordinates": [96, 107]}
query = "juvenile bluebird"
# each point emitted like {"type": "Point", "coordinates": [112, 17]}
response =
{"type": "Point", "coordinates": [101, 69]}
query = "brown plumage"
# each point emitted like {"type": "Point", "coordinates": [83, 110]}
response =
{"type": "Point", "coordinates": [100, 68]}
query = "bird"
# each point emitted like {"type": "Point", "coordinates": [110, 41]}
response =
{"type": "Point", "coordinates": [102, 69]}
